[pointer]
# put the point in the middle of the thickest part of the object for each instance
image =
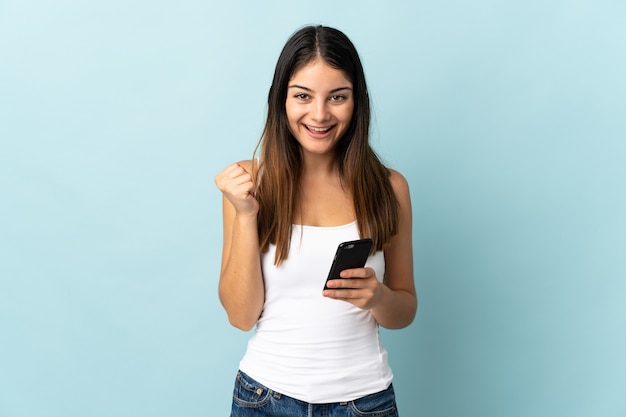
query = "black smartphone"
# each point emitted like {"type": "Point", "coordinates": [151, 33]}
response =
{"type": "Point", "coordinates": [350, 255]}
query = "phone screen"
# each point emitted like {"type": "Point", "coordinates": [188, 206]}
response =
{"type": "Point", "coordinates": [352, 254]}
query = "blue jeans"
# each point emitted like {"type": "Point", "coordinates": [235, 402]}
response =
{"type": "Point", "coordinates": [251, 399]}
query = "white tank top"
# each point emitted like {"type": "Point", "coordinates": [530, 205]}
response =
{"type": "Point", "coordinates": [307, 346]}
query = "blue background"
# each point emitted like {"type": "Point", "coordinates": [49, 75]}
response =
{"type": "Point", "coordinates": [507, 118]}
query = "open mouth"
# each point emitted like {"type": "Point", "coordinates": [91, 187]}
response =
{"type": "Point", "coordinates": [319, 130]}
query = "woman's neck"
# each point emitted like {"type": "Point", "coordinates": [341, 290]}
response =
{"type": "Point", "coordinates": [319, 166]}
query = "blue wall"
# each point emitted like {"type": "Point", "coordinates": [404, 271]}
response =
{"type": "Point", "coordinates": [507, 118]}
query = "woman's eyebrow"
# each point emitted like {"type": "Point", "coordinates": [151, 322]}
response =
{"type": "Point", "coordinates": [308, 89]}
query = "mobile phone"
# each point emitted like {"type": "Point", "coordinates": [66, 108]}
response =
{"type": "Point", "coordinates": [352, 254]}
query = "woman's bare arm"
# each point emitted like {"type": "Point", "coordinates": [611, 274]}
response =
{"type": "Point", "coordinates": [397, 304]}
{"type": "Point", "coordinates": [394, 301]}
{"type": "Point", "coordinates": [241, 288]}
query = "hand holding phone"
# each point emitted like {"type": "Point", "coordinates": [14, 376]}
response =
{"type": "Point", "coordinates": [349, 255]}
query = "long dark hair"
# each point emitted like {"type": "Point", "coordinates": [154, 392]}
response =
{"type": "Point", "coordinates": [360, 168]}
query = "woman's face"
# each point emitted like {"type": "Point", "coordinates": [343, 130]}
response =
{"type": "Point", "coordinates": [319, 106]}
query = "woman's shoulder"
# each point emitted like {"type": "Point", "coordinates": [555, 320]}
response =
{"type": "Point", "coordinates": [250, 165]}
{"type": "Point", "coordinates": [400, 187]}
{"type": "Point", "coordinates": [397, 180]}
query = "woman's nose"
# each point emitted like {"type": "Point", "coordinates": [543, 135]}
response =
{"type": "Point", "coordinates": [320, 110]}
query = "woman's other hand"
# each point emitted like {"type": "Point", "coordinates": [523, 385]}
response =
{"type": "Point", "coordinates": [358, 286]}
{"type": "Point", "coordinates": [238, 187]}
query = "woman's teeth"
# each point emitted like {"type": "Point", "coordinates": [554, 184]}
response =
{"type": "Point", "coordinates": [319, 129]}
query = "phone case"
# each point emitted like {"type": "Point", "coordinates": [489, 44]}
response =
{"type": "Point", "coordinates": [350, 255]}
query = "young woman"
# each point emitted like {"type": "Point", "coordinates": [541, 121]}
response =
{"type": "Point", "coordinates": [316, 183]}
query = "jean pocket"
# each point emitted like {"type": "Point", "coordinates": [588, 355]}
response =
{"type": "Point", "coordinates": [380, 404]}
{"type": "Point", "coordinates": [250, 393]}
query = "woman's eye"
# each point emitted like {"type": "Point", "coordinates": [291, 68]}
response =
{"type": "Point", "coordinates": [302, 96]}
{"type": "Point", "coordinates": [339, 97]}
